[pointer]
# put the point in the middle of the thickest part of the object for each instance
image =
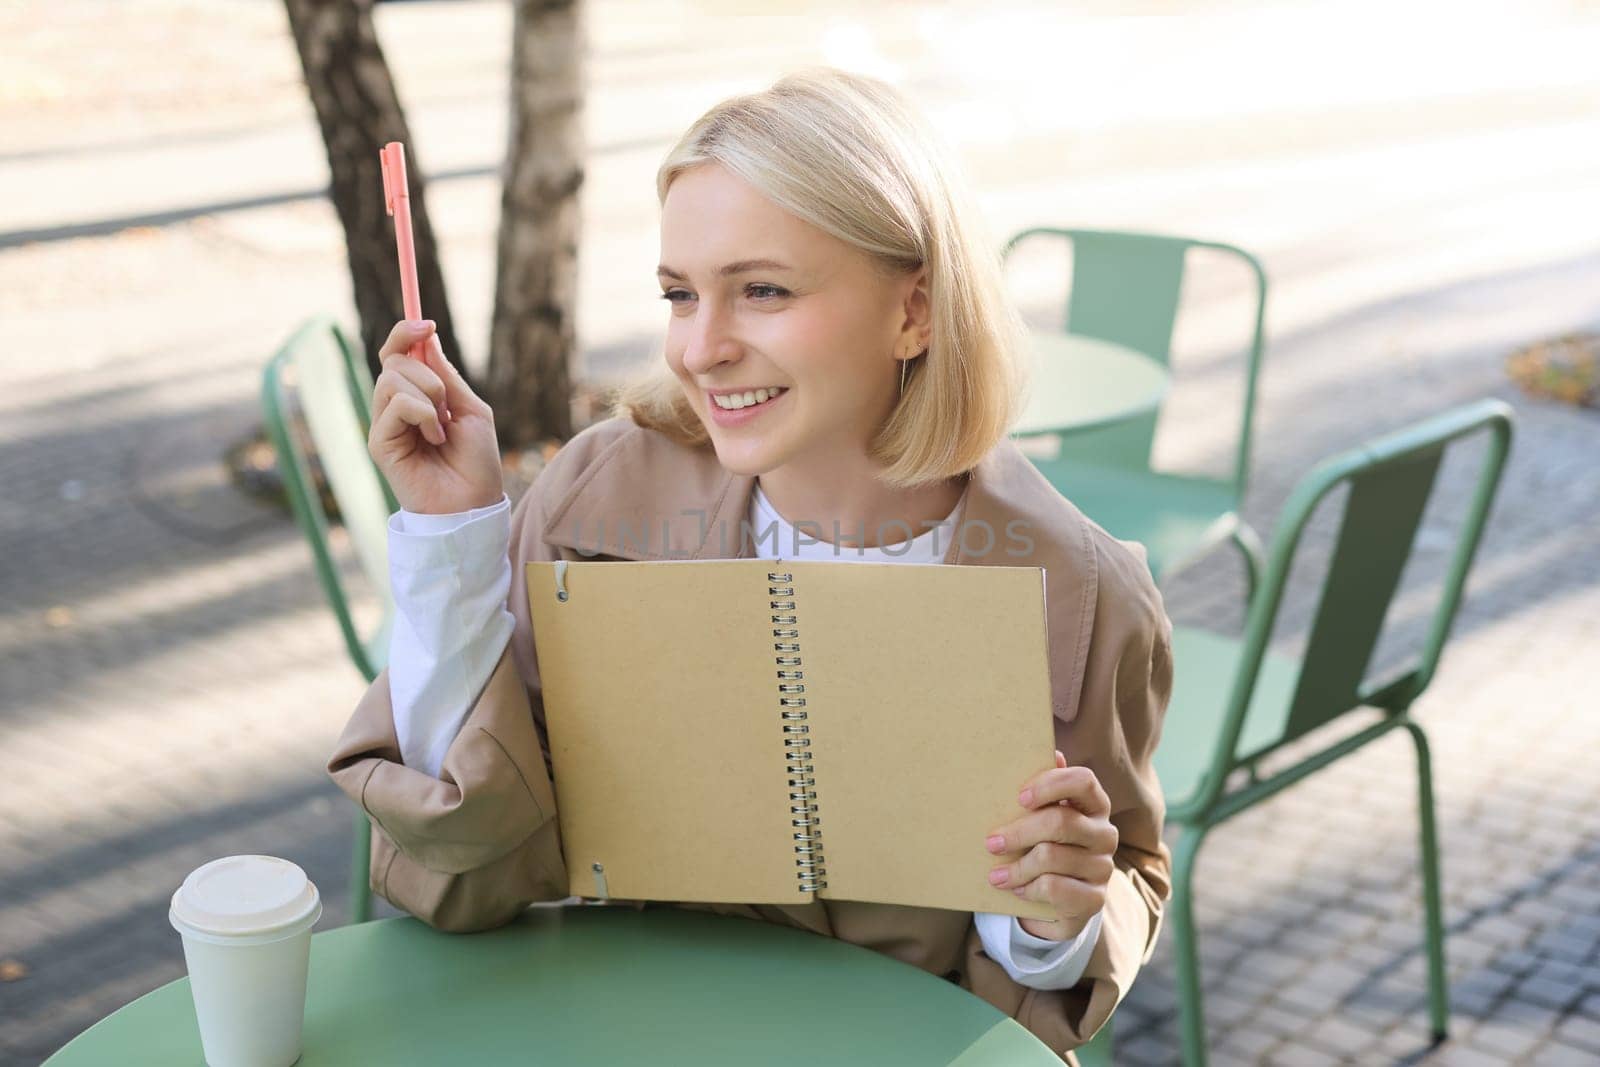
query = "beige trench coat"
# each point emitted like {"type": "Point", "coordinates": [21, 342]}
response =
{"type": "Point", "coordinates": [470, 849]}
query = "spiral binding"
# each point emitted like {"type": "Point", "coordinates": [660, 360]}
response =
{"type": "Point", "coordinates": [796, 742]}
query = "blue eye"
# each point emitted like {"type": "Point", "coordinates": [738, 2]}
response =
{"type": "Point", "coordinates": [755, 290]}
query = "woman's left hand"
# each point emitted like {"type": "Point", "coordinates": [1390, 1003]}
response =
{"type": "Point", "coordinates": [1067, 840]}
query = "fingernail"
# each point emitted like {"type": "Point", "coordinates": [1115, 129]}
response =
{"type": "Point", "coordinates": [1018, 891]}
{"type": "Point", "coordinates": [1025, 798]}
{"type": "Point", "coordinates": [998, 876]}
{"type": "Point", "coordinates": [995, 843]}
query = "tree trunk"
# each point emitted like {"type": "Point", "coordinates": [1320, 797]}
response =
{"type": "Point", "coordinates": [532, 338]}
{"type": "Point", "coordinates": [359, 111]}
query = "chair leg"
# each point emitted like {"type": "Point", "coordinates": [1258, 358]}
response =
{"type": "Point", "coordinates": [1186, 952]}
{"type": "Point", "coordinates": [361, 871]}
{"type": "Point", "coordinates": [1249, 545]}
{"type": "Point", "coordinates": [1432, 898]}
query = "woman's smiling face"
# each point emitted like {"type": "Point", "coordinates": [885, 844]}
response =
{"type": "Point", "coordinates": [763, 300]}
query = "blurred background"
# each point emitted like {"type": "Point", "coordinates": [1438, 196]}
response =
{"type": "Point", "coordinates": [1419, 181]}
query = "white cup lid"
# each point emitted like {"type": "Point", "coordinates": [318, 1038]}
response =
{"type": "Point", "coordinates": [244, 896]}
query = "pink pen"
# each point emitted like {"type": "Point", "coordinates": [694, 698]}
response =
{"type": "Point", "coordinates": [397, 199]}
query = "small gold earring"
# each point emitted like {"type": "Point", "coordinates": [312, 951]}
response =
{"type": "Point", "coordinates": [903, 363]}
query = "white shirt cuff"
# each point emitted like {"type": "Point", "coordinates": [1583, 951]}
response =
{"type": "Point", "coordinates": [451, 577]}
{"type": "Point", "coordinates": [414, 522]}
{"type": "Point", "coordinates": [1035, 962]}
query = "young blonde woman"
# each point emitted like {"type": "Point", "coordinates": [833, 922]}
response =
{"type": "Point", "coordinates": [841, 368]}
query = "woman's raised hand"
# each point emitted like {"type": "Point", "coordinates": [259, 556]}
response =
{"type": "Point", "coordinates": [432, 437]}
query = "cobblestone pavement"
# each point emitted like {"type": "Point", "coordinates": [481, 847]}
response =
{"type": "Point", "coordinates": [170, 679]}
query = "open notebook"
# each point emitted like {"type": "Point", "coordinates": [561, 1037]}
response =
{"type": "Point", "coordinates": [769, 731]}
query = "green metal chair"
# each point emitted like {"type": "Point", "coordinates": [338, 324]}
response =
{"type": "Point", "coordinates": [1125, 289]}
{"type": "Point", "coordinates": [1097, 1052]}
{"type": "Point", "coordinates": [320, 374]}
{"type": "Point", "coordinates": [1235, 702]}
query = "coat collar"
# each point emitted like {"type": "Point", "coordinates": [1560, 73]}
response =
{"type": "Point", "coordinates": [645, 497]}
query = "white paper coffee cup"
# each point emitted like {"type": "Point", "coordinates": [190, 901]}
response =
{"type": "Point", "coordinates": [246, 924]}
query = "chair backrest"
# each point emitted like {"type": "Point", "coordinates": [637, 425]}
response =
{"type": "Point", "coordinates": [318, 373]}
{"type": "Point", "coordinates": [1125, 289]}
{"type": "Point", "coordinates": [1390, 481]}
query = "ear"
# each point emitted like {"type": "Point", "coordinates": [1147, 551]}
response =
{"type": "Point", "coordinates": [917, 325]}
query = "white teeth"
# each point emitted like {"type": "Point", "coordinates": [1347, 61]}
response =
{"type": "Point", "coordinates": [735, 401]}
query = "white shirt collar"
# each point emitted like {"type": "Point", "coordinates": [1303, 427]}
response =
{"type": "Point", "coordinates": [777, 538]}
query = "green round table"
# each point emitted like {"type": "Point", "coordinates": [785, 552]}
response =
{"type": "Point", "coordinates": [1080, 383]}
{"type": "Point", "coordinates": [598, 985]}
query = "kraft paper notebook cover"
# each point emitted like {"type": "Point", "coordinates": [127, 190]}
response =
{"type": "Point", "coordinates": [767, 731]}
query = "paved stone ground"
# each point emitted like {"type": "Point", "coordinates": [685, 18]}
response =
{"type": "Point", "coordinates": [170, 680]}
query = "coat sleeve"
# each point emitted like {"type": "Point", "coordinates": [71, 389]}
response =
{"type": "Point", "coordinates": [1126, 689]}
{"type": "Point", "coordinates": [470, 849]}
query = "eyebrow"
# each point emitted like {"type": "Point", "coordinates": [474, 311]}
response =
{"type": "Point", "coordinates": [741, 267]}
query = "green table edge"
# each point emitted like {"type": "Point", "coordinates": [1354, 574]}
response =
{"type": "Point", "coordinates": [1003, 1044]}
{"type": "Point", "coordinates": [1143, 400]}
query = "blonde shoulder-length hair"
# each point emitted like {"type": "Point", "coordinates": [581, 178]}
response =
{"type": "Point", "coordinates": [849, 155]}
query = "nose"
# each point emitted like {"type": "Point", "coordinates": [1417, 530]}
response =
{"type": "Point", "coordinates": [710, 342]}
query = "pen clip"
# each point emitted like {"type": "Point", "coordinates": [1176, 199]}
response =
{"type": "Point", "coordinates": [392, 160]}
